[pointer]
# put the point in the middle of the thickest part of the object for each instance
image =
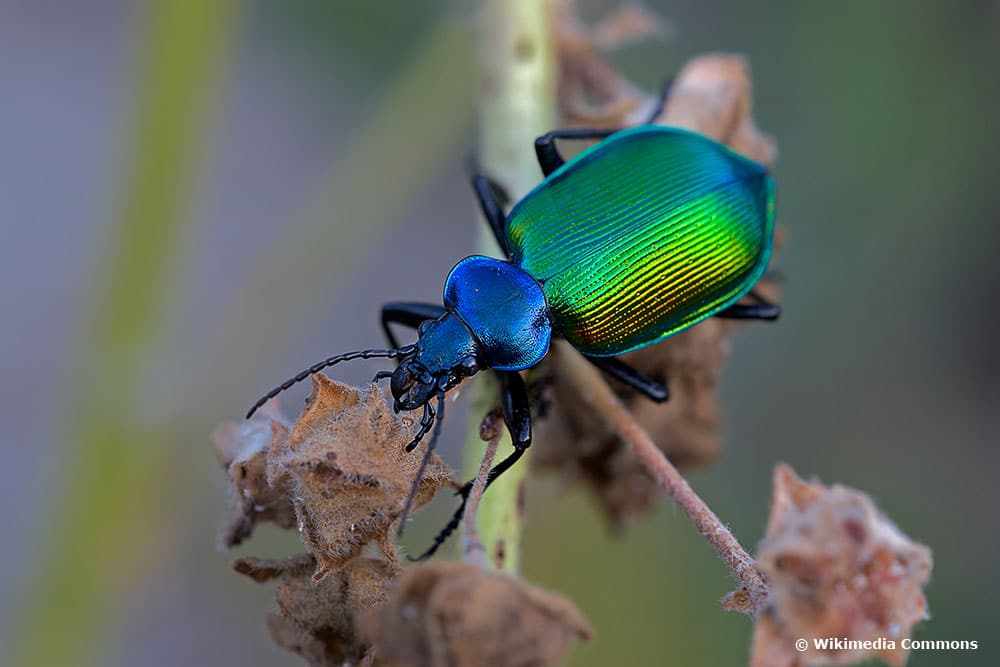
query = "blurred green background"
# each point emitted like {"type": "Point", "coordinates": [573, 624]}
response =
{"type": "Point", "coordinates": [198, 197]}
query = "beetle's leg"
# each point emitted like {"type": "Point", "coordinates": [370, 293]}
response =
{"type": "Point", "coordinates": [426, 422]}
{"type": "Point", "coordinates": [619, 370]}
{"type": "Point", "coordinates": [548, 155]}
{"type": "Point", "coordinates": [517, 416]}
{"type": "Point", "coordinates": [415, 485]}
{"type": "Point", "coordinates": [661, 102]}
{"type": "Point", "coordinates": [407, 314]}
{"type": "Point", "coordinates": [762, 310]}
{"type": "Point", "coordinates": [492, 200]}
{"type": "Point", "coordinates": [545, 146]}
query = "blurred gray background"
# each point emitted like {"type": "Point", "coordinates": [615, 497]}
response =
{"type": "Point", "coordinates": [328, 174]}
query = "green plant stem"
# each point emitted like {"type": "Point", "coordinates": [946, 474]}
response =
{"type": "Point", "coordinates": [516, 104]}
{"type": "Point", "coordinates": [98, 534]}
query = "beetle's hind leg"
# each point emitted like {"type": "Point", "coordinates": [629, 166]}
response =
{"type": "Point", "coordinates": [619, 370]}
{"type": "Point", "coordinates": [493, 199]}
{"type": "Point", "coordinates": [762, 310]}
{"type": "Point", "coordinates": [517, 415]}
{"type": "Point", "coordinates": [407, 314]}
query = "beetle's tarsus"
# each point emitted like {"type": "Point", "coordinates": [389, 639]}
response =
{"type": "Point", "coordinates": [661, 102]}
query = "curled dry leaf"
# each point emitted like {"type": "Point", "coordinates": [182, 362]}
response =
{"type": "Point", "coordinates": [350, 474]}
{"type": "Point", "coordinates": [457, 615]}
{"type": "Point", "coordinates": [837, 568]}
{"type": "Point", "coordinates": [319, 621]}
{"type": "Point", "coordinates": [711, 95]}
{"type": "Point", "coordinates": [242, 448]}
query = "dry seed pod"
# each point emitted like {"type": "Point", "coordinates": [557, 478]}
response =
{"type": "Point", "coordinates": [319, 621]}
{"type": "Point", "coordinates": [243, 448]}
{"type": "Point", "coordinates": [447, 614]}
{"type": "Point", "coordinates": [349, 472]}
{"type": "Point", "coordinates": [837, 568]}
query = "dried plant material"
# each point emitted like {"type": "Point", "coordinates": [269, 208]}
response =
{"type": "Point", "coordinates": [589, 88]}
{"type": "Point", "coordinates": [473, 549]}
{"type": "Point", "coordinates": [710, 95]}
{"type": "Point", "coordinates": [627, 24]}
{"type": "Point", "coordinates": [319, 621]}
{"type": "Point", "coordinates": [739, 601]}
{"type": "Point", "coordinates": [457, 615]}
{"type": "Point", "coordinates": [242, 448]}
{"type": "Point", "coordinates": [349, 472]}
{"type": "Point", "coordinates": [687, 428]}
{"type": "Point", "coordinates": [837, 568]}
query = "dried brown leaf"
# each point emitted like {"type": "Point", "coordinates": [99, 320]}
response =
{"type": "Point", "coordinates": [627, 24]}
{"type": "Point", "coordinates": [837, 568]}
{"type": "Point", "coordinates": [458, 615]}
{"type": "Point", "coordinates": [243, 448]}
{"type": "Point", "coordinates": [319, 621]}
{"type": "Point", "coordinates": [349, 472]}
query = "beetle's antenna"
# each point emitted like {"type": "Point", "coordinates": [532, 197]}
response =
{"type": "Point", "coordinates": [326, 363]}
{"type": "Point", "coordinates": [437, 417]}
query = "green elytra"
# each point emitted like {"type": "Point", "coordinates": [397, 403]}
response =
{"type": "Point", "coordinates": [643, 235]}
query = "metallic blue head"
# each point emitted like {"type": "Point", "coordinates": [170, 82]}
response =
{"type": "Point", "coordinates": [495, 317]}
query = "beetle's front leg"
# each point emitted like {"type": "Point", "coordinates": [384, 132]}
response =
{"type": "Point", "coordinates": [517, 415]}
{"type": "Point", "coordinates": [492, 200]}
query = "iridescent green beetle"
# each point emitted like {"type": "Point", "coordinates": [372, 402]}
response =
{"type": "Point", "coordinates": [643, 235]}
{"type": "Point", "coordinates": [635, 239]}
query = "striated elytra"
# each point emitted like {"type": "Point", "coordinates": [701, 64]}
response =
{"type": "Point", "coordinates": [640, 236]}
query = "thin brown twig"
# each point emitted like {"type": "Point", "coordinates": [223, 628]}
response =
{"type": "Point", "coordinates": [595, 392]}
{"type": "Point", "coordinates": [474, 549]}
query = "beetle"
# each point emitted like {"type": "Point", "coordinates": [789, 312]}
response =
{"type": "Point", "coordinates": [640, 236]}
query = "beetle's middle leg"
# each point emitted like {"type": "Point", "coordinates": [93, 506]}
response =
{"type": "Point", "coordinates": [623, 372]}
{"type": "Point", "coordinates": [407, 314]}
{"type": "Point", "coordinates": [517, 415]}
{"type": "Point", "coordinates": [493, 199]}
{"type": "Point", "coordinates": [548, 155]}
